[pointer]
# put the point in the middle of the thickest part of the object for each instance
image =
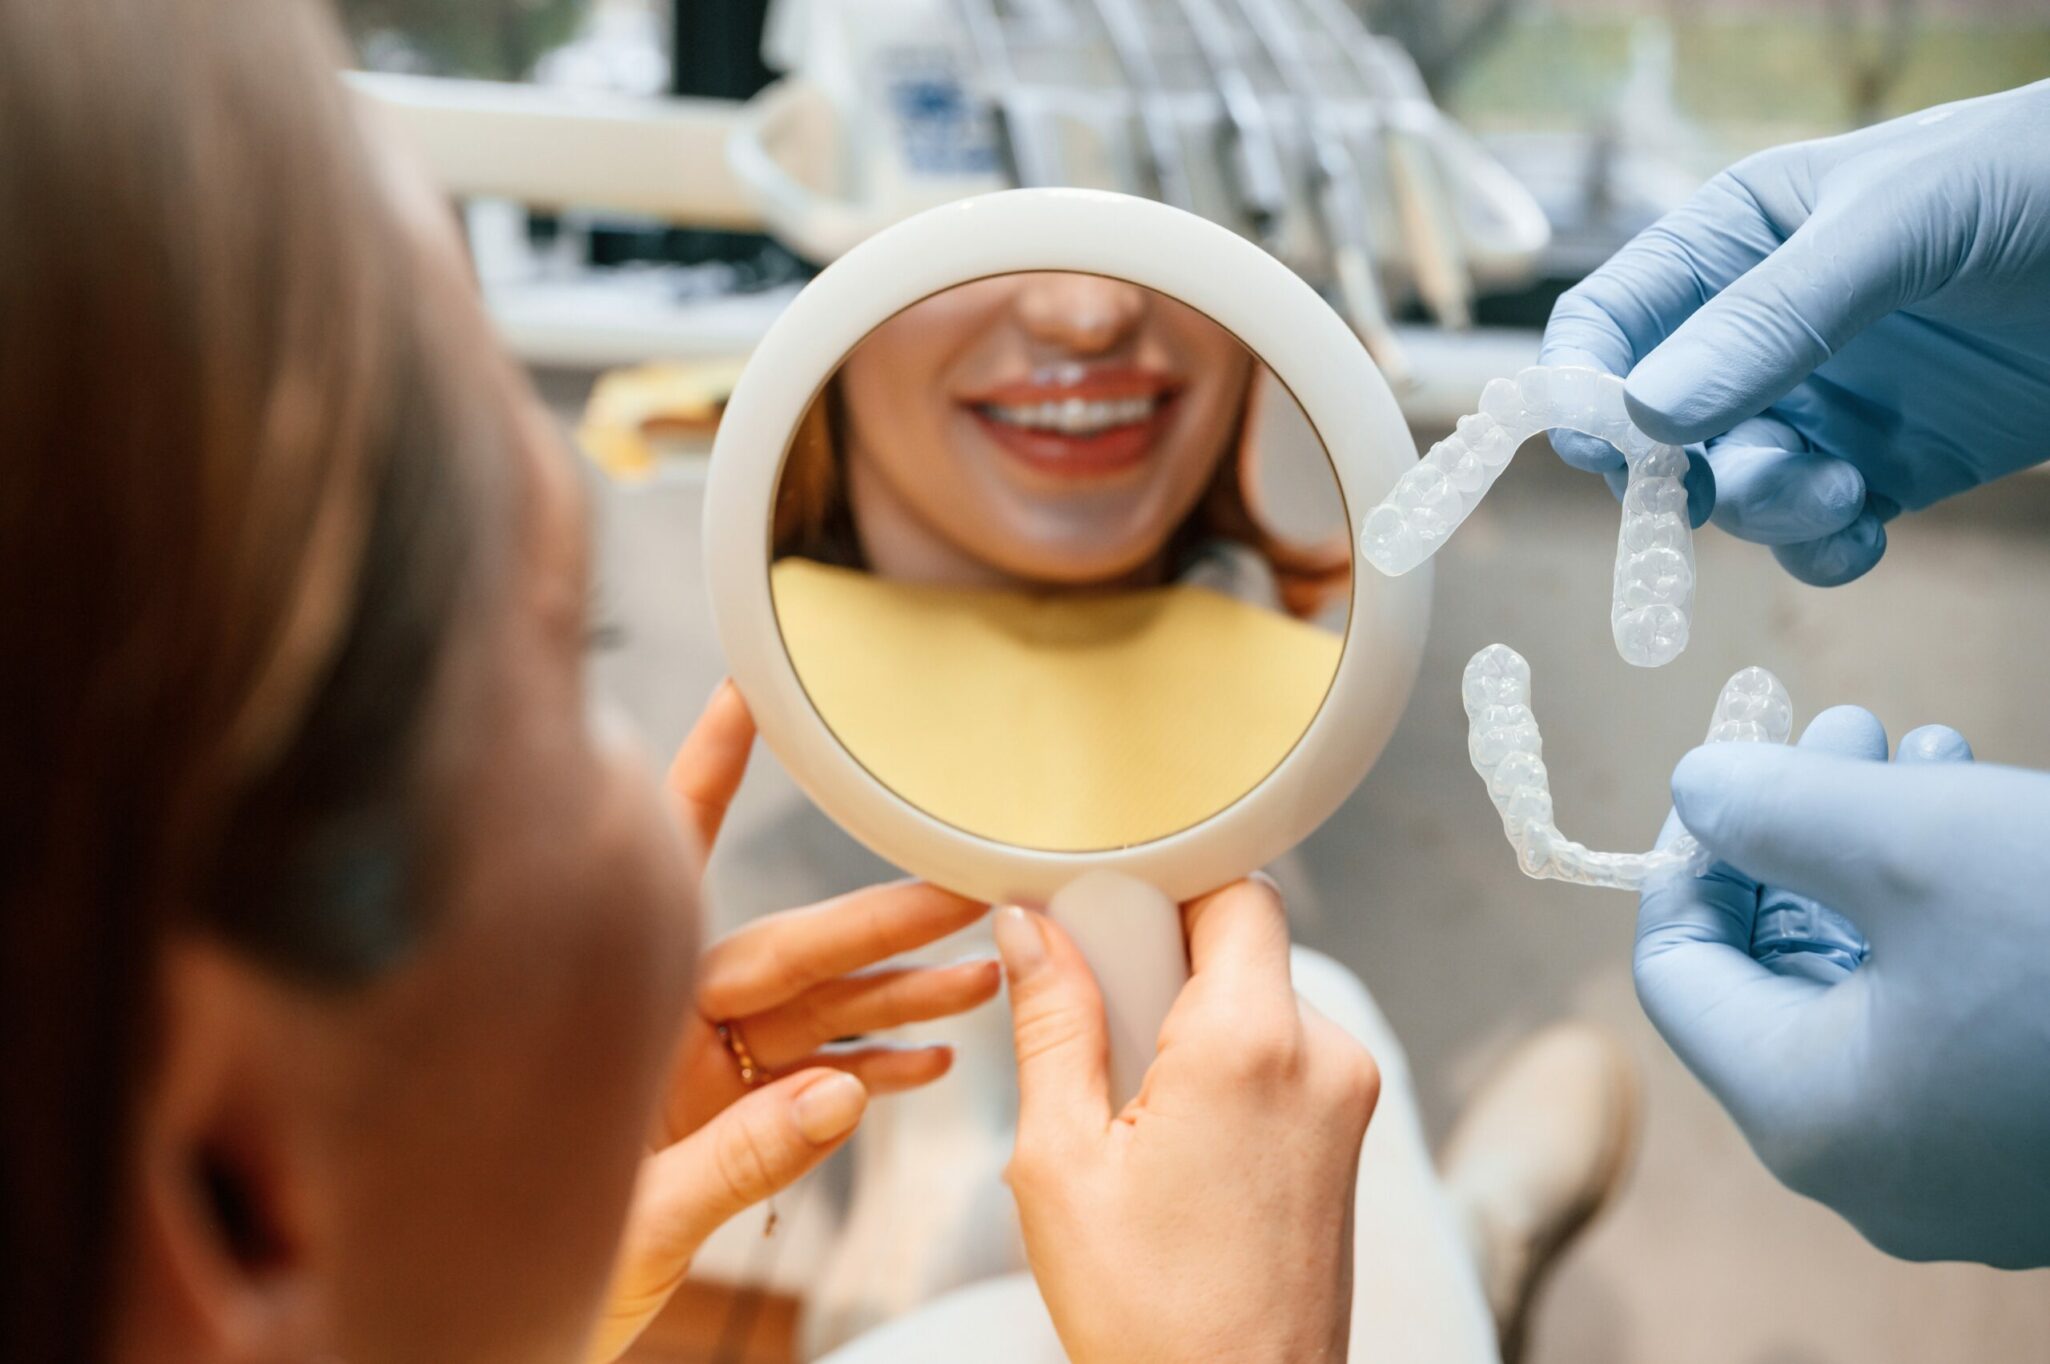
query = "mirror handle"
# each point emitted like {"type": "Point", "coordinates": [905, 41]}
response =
{"type": "Point", "coordinates": [1131, 935]}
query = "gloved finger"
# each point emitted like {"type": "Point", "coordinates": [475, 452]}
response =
{"type": "Point", "coordinates": [1669, 831]}
{"type": "Point", "coordinates": [1769, 430]}
{"type": "Point", "coordinates": [1934, 744]}
{"type": "Point", "coordinates": [1841, 831]}
{"type": "Point", "coordinates": [1719, 1010]}
{"type": "Point", "coordinates": [1763, 333]}
{"type": "Point", "coordinates": [1776, 495]}
{"type": "Point", "coordinates": [1060, 1033]}
{"type": "Point", "coordinates": [1701, 485]}
{"type": "Point", "coordinates": [1697, 980]}
{"type": "Point", "coordinates": [1846, 732]}
{"type": "Point", "coordinates": [1622, 311]}
{"type": "Point", "coordinates": [1794, 934]}
{"type": "Point", "coordinates": [1834, 560]}
{"type": "Point", "coordinates": [1597, 456]}
{"type": "Point", "coordinates": [1589, 453]}
{"type": "Point", "coordinates": [1679, 913]}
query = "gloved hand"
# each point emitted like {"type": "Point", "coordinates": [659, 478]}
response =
{"type": "Point", "coordinates": [1854, 325]}
{"type": "Point", "coordinates": [1907, 1088]}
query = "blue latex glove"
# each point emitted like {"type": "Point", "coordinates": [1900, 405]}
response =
{"type": "Point", "coordinates": [1907, 1085]}
{"type": "Point", "coordinates": [1854, 326]}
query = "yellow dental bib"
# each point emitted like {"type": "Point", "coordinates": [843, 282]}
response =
{"type": "Point", "coordinates": [1065, 723]}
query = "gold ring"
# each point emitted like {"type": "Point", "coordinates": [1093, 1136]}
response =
{"type": "Point", "coordinates": [751, 1072]}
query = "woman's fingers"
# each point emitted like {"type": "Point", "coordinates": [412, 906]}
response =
{"type": "Point", "coordinates": [758, 1146]}
{"type": "Point", "coordinates": [786, 986]}
{"type": "Point", "coordinates": [775, 959]}
{"type": "Point", "coordinates": [1238, 942]}
{"type": "Point", "coordinates": [710, 764]}
{"type": "Point", "coordinates": [1061, 1036]}
{"type": "Point", "coordinates": [1238, 1021]}
{"type": "Point", "coordinates": [887, 1070]}
{"type": "Point", "coordinates": [874, 1001]}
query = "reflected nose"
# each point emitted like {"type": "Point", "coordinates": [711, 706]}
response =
{"type": "Point", "coordinates": [1084, 313]}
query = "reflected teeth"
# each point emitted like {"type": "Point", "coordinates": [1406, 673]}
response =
{"type": "Point", "coordinates": [1075, 416]}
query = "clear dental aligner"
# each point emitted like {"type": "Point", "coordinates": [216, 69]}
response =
{"type": "Point", "coordinates": [1653, 595]}
{"type": "Point", "coordinates": [1502, 740]}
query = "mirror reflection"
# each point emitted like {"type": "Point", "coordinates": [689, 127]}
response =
{"type": "Point", "coordinates": [1060, 561]}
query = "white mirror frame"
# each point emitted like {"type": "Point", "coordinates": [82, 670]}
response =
{"type": "Point", "coordinates": [1274, 313]}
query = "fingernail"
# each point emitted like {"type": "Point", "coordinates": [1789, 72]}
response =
{"type": "Point", "coordinates": [828, 1109]}
{"type": "Point", "coordinates": [1261, 878]}
{"type": "Point", "coordinates": [1019, 943]}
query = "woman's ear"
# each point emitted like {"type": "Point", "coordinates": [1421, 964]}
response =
{"type": "Point", "coordinates": [221, 1260]}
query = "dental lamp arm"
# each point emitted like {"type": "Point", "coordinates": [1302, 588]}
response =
{"type": "Point", "coordinates": [1339, 190]}
{"type": "Point", "coordinates": [1256, 161]}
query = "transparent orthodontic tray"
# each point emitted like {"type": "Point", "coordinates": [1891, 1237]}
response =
{"type": "Point", "coordinates": [1652, 601]}
{"type": "Point", "coordinates": [1503, 741]}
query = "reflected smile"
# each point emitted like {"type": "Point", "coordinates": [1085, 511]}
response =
{"type": "Point", "coordinates": [1078, 423]}
{"type": "Point", "coordinates": [1075, 416]}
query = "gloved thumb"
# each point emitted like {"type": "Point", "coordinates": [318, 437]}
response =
{"type": "Point", "coordinates": [1718, 1008]}
{"type": "Point", "coordinates": [1836, 829]}
{"type": "Point", "coordinates": [756, 1147]}
{"type": "Point", "coordinates": [1060, 1032]}
{"type": "Point", "coordinates": [1747, 347]}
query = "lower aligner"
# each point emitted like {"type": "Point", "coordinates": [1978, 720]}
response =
{"type": "Point", "coordinates": [1503, 741]}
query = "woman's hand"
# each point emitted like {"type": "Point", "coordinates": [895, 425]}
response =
{"type": "Point", "coordinates": [789, 986]}
{"type": "Point", "coordinates": [1212, 1218]}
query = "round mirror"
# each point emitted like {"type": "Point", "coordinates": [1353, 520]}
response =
{"type": "Point", "coordinates": [1060, 562]}
{"type": "Point", "coordinates": [1030, 530]}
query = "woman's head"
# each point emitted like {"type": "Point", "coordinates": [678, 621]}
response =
{"type": "Point", "coordinates": [338, 957]}
{"type": "Point", "coordinates": [1046, 428]}
{"type": "Point", "coordinates": [1043, 429]}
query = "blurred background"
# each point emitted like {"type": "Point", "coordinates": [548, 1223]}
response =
{"type": "Point", "coordinates": [1605, 110]}
{"type": "Point", "coordinates": [646, 183]}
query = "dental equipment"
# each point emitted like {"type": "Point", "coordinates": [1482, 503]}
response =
{"type": "Point", "coordinates": [1341, 191]}
{"type": "Point", "coordinates": [1403, 110]}
{"type": "Point", "coordinates": [1503, 742]}
{"type": "Point", "coordinates": [1027, 134]}
{"type": "Point", "coordinates": [1652, 599]}
{"type": "Point", "coordinates": [1125, 29]}
{"type": "Point", "coordinates": [1255, 160]}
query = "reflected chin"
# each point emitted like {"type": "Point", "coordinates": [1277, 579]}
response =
{"type": "Point", "coordinates": [1076, 555]}
{"type": "Point", "coordinates": [1063, 527]}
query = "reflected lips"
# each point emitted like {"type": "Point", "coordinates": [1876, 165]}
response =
{"type": "Point", "coordinates": [1097, 422]}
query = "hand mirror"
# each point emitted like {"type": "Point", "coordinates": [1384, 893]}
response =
{"type": "Point", "coordinates": [1029, 532]}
